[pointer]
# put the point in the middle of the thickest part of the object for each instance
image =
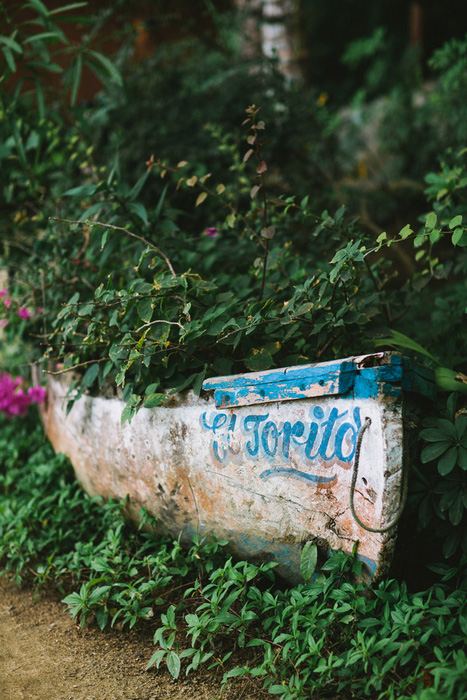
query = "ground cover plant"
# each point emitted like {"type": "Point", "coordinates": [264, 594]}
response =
{"type": "Point", "coordinates": [251, 235]}
{"type": "Point", "coordinates": [327, 637]}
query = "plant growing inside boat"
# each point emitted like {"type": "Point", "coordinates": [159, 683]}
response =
{"type": "Point", "coordinates": [156, 328]}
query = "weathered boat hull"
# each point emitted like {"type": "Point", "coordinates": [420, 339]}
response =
{"type": "Point", "coordinates": [267, 474]}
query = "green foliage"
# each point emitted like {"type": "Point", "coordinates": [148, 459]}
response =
{"type": "Point", "coordinates": [329, 635]}
{"type": "Point", "coordinates": [439, 490]}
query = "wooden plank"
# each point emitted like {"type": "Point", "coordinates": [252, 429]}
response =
{"type": "Point", "coordinates": [289, 383]}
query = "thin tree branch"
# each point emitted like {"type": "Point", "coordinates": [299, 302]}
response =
{"type": "Point", "coordinates": [125, 230]}
{"type": "Point", "coordinates": [80, 364]}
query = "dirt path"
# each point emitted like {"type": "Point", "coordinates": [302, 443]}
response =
{"type": "Point", "coordinates": [44, 656]}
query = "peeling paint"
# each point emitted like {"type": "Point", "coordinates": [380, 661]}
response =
{"type": "Point", "coordinates": [268, 474]}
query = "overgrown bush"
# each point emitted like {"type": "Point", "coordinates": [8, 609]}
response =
{"type": "Point", "coordinates": [151, 243]}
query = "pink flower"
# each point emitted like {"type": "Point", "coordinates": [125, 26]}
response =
{"type": "Point", "coordinates": [7, 302]}
{"type": "Point", "coordinates": [24, 313]}
{"type": "Point", "coordinates": [211, 232]}
{"type": "Point", "coordinates": [14, 400]}
{"type": "Point", "coordinates": [3, 323]}
{"type": "Point", "coordinates": [3, 293]}
{"type": "Point", "coordinates": [37, 394]}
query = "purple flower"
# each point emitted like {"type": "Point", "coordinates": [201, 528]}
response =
{"type": "Point", "coordinates": [211, 232]}
{"type": "Point", "coordinates": [37, 394]}
{"type": "Point", "coordinates": [24, 313]}
{"type": "Point", "coordinates": [14, 400]}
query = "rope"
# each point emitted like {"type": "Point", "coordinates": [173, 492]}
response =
{"type": "Point", "coordinates": [405, 489]}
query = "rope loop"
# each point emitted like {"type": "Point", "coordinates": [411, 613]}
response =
{"type": "Point", "coordinates": [394, 521]}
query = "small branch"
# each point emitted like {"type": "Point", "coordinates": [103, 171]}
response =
{"type": "Point", "coordinates": [70, 369]}
{"type": "Point", "coordinates": [44, 320]}
{"type": "Point", "coordinates": [125, 230]}
{"type": "Point", "coordinates": [377, 286]}
{"type": "Point", "coordinates": [159, 320]}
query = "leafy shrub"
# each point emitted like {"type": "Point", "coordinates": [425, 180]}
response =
{"type": "Point", "coordinates": [329, 636]}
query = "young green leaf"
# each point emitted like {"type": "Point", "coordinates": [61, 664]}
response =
{"type": "Point", "coordinates": [308, 560]}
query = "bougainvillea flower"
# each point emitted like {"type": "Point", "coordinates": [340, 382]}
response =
{"type": "Point", "coordinates": [24, 313]}
{"type": "Point", "coordinates": [211, 232]}
{"type": "Point", "coordinates": [14, 400]}
{"type": "Point", "coordinates": [37, 394]}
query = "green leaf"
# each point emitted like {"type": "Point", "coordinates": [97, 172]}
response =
{"type": "Point", "coordinates": [455, 221]}
{"type": "Point", "coordinates": [81, 191]}
{"type": "Point", "coordinates": [230, 219]}
{"type": "Point", "coordinates": [457, 236]}
{"type": "Point", "coordinates": [433, 435]}
{"type": "Point", "coordinates": [435, 235]}
{"type": "Point", "coordinates": [154, 400]}
{"type": "Point", "coordinates": [39, 7]}
{"type": "Point", "coordinates": [156, 658]}
{"type": "Point", "coordinates": [456, 510]}
{"type": "Point", "coordinates": [140, 210]}
{"type": "Point", "coordinates": [431, 220]}
{"type": "Point", "coordinates": [434, 451]}
{"type": "Point", "coordinates": [127, 414]}
{"type": "Point", "coordinates": [89, 376]}
{"type": "Point", "coordinates": [9, 59]}
{"type": "Point", "coordinates": [102, 617]}
{"type": "Point", "coordinates": [405, 232]}
{"type": "Point", "coordinates": [462, 457]}
{"type": "Point", "coordinates": [76, 69]}
{"type": "Point", "coordinates": [145, 309]}
{"type": "Point", "coordinates": [136, 189]}
{"type": "Point", "coordinates": [448, 428]}
{"type": "Point", "coordinates": [67, 8]}
{"type": "Point", "coordinates": [106, 64]}
{"type": "Point", "coordinates": [45, 35]}
{"type": "Point", "coordinates": [258, 360]}
{"type": "Point", "coordinates": [461, 425]}
{"type": "Point", "coordinates": [308, 560]}
{"type": "Point", "coordinates": [11, 43]}
{"type": "Point", "coordinates": [198, 383]}
{"type": "Point", "coordinates": [173, 663]}
{"type": "Point", "coordinates": [448, 461]}
{"type": "Point", "coordinates": [397, 339]}
{"type": "Point", "coordinates": [451, 543]}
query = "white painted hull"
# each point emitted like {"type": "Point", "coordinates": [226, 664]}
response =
{"type": "Point", "coordinates": [268, 477]}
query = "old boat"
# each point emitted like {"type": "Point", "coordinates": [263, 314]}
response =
{"type": "Point", "coordinates": [267, 460]}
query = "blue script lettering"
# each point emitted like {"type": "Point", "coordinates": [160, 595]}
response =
{"type": "Point", "coordinates": [252, 423]}
{"type": "Point", "coordinates": [328, 436]}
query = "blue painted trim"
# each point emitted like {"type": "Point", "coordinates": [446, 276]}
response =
{"type": "Point", "coordinates": [297, 474]}
{"type": "Point", "coordinates": [386, 374]}
{"type": "Point", "coordinates": [303, 381]}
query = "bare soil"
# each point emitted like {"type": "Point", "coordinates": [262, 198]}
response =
{"type": "Point", "coordinates": [45, 656]}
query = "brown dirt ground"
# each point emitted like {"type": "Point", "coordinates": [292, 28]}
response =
{"type": "Point", "coordinates": [45, 656]}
